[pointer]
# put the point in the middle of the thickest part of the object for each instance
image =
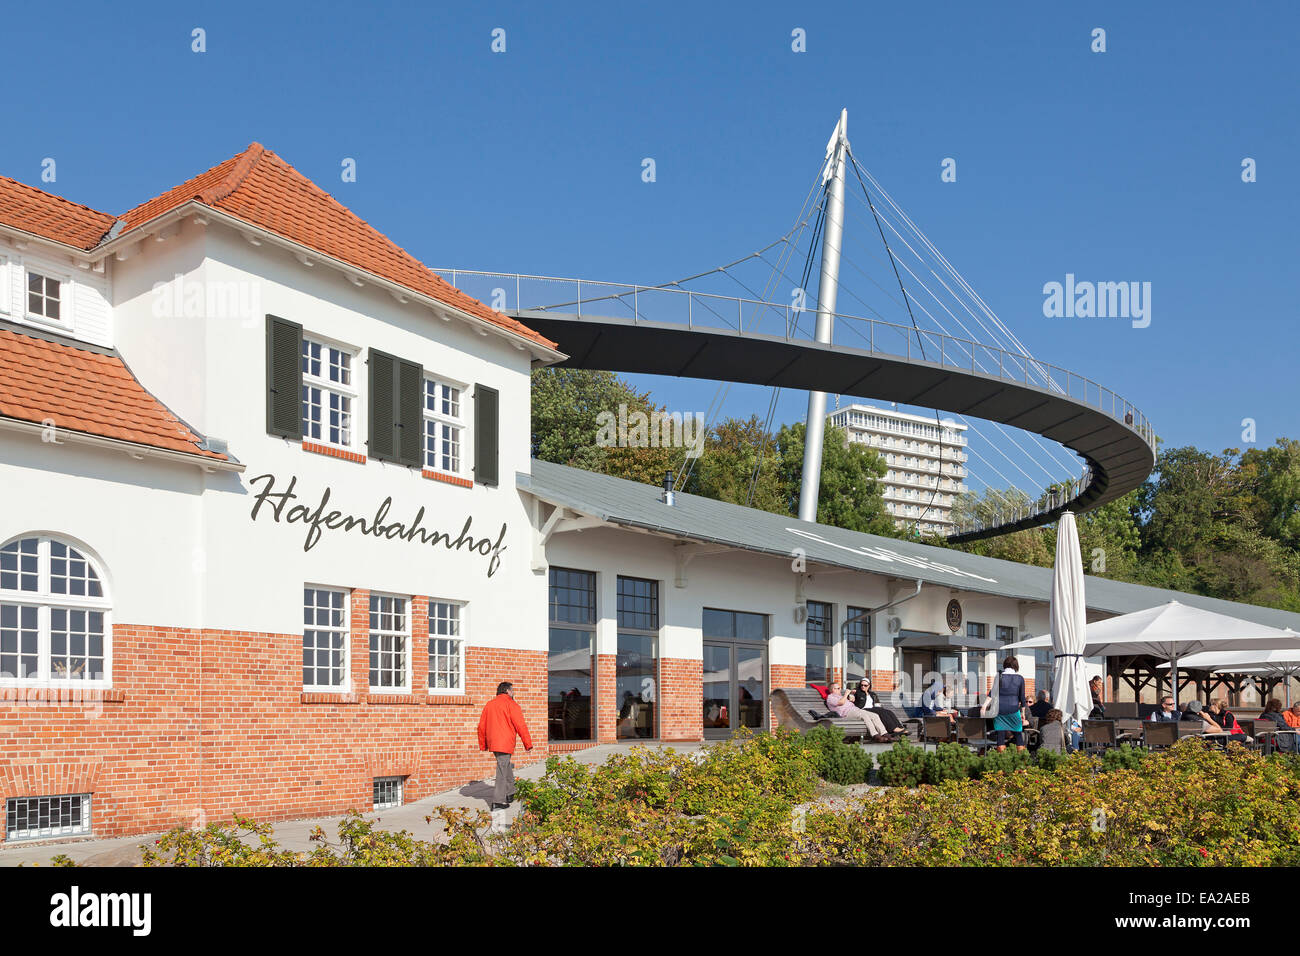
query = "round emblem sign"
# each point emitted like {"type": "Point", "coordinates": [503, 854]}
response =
{"type": "Point", "coordinates": [954, 616]}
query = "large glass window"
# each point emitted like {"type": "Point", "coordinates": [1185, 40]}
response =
{"type": "Point", "coordinates": [820, 635]}
{"type": "Point", "coordinates": [857, 652]}
{"type": "Point", "coordinates": [636, 666]}
{"type": "Point", "coordinates": [571, 658]}
{"type": "Point", "coordinates": [53, 614]}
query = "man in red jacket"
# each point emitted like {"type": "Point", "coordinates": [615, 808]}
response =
{"type": "Point", "coordinates": [501, 720]}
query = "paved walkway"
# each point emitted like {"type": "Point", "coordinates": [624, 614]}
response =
{"type": "Point", "coordinates": [294, 834]}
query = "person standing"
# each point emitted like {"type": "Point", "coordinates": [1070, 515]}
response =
{"type": "Point", "coordinates": [1098, 709]}
{"type": "Point", "coordinates": [501, 721]}
{"type": "Point", "coordinates": [1011, 702]}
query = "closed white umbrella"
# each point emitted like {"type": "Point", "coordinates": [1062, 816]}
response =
{"type": "Point", "coordinates": [1172, 631]}
{"type": "Point", "coordinates": [1069, 620]}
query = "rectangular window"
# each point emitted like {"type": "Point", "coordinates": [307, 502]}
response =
{"type": "Point", "coordinates": [819, 634]}
{"type": "Point", "coordinates": [387, 792]}
{"type": "Point", "coordinates": [446, 647]}
{"type": "Point", "coordinates": [6, 303]}
{"type": "Point", "coordinates": [38, 818]}
{"type": "Point", "coordinates": [976, 630]}
{"type": "Point", "coordinates": [325, 639]}
{"type": "Point", "coordinates": [44, 297]}
{"type": "Point", "coordinates": [858, 638]}
{"type": "Point", "coordinates": [571, 657]}
{"type": "Point", "coordinates": [636, 665]}
{"type": "Point", "coordinates": [1006, 634]}
{"type": "Point", "coordinates": [443, 427]}
{"type": "Point", "coordinates": [328, 395]}
{"type": "Point", "coordinates": [389, 661]}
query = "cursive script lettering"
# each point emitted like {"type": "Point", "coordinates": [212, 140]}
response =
{"type": "Point", "coordinates": [318, 520]}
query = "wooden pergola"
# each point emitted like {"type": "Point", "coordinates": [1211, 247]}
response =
{"type": "Point", "coordinates": [1141, 671]}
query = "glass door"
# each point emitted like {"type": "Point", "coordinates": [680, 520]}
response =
{"type": "Point", "coordinates": [735, 688]}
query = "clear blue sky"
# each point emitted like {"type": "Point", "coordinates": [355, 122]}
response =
{"type": "Point", "coordinates": [1117, 166]}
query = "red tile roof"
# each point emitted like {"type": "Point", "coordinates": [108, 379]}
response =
{"type": "Point", "coordinates": [260, 188]}
{"type": "Point", "coordinates": [81, 390]}
{"type": "Point", "coordinates": [47, 216]}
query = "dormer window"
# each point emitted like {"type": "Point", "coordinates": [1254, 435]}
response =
{"type": "Point", "coordinates": [44, 297]}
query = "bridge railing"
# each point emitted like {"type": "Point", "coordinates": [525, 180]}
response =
{"type": "Point", "coordinates": [507, 292]}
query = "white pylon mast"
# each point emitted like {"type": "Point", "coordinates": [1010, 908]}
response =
{"type": "Point", "coordinates": [827, 293]}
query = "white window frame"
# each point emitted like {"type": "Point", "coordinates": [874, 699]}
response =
{"type": "Point", "coordinates": [350, 391]}
{"type": "Point", "coordinates": [64, 321]}
{"type": "Point", "coordinates": [6, 293]}
{"type": "Point", "coordinates": [45, 600]}
{"type": "Point", "coordinates": [458, 636]}
{"type": "Point", "coordinates": [345, 685]}
{"type": "Point", "coordinates": [400, 787]}
{"type": "Point", "coordinates": [404, 634]}
{"type": "Point", "coordinates": [446, 421]}
{"type": "Point", "coordinates": [45, 833]}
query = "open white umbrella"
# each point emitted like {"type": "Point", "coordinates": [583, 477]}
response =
{"type": "Point", "coordinates": [1280, 662]}
{"type": "Point", "coordinates": [1069, 618]}
{"type": "Point", "coordinates": [1172, 631]}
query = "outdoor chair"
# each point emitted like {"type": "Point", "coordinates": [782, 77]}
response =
{"type": "Point", "coordinates": [938, 730]}
{"type": "Point", "coordinates": [1159, 735]}
{"type": "Point", "coordinates": [973, 732]}
{"type": "Point", "coordinates": [1099, 735]}
{"type": "Point", "coordinates": [1121, 709]}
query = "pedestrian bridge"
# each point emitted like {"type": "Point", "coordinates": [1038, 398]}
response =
{"type": "Point", "coordinates": [665, 330]}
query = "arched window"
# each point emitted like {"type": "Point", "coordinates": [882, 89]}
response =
{"type": "Point", "coordinates": [54, 615]}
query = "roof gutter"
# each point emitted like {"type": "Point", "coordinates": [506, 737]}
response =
{"type": "Point", "coordinates": [193, 207]}
{"type": "Point", "coordinates": [134, 449]}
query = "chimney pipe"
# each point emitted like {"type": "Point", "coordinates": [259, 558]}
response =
{"type": "Point", "coordinates": [668, 497]}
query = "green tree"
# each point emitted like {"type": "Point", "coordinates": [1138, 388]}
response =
{"type": "Point", "coordinates": [850, 495]}
{"type": "Point", "coordinates": [1272, 476]}
{"type": "Point", "coordinates": [569, 407]}
{"type": "Point", "coordinates": [725, 469]}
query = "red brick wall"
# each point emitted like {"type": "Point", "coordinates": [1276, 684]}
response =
{"type": "Point", "coordinates": [784, 675]}
{"type": "Point", "coordinates": [203, 724]}
{"type": "Point", "coordinates": [606, 702]}
{"type": "Point", "coordinates": [681, 699]}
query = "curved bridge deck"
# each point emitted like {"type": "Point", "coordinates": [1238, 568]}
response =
{"type": "Point", "coordinates": [959, 376]}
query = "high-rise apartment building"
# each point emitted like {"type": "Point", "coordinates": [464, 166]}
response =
{"type": "Point", "coordinates": [926, 462]}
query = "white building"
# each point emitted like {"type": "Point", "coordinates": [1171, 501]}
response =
{"type": "Point", "coordinates": [270, 535]}
{"type": "Point", "coordinates": [926, 462]}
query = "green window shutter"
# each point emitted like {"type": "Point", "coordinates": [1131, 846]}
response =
{"type": "Point", "coordinates": [486, 434]}
{"type": "Point", "coordinates": [283, 377]}
{"type": "Point", "coordinates": [409, 398]}
{"type": "Point", "coordinates": [383, 409]}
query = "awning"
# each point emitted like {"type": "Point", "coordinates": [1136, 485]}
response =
{"type": "Point", "coordinates": [944, 642]}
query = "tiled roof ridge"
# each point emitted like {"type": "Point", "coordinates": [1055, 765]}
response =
{"type": "Point", "coordinates": [235, 178]}
{"type": "Point", "coordinates": [49, 195]}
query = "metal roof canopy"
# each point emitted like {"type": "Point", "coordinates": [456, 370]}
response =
{"type": "Point", "coordinates": [1120, 458]}
{"type": "Point", "coordinates": [956, 642]}
{"type": "Point", "coordinates": [633, 505]}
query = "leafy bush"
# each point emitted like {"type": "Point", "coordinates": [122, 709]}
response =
{"type": "Point", "coordinates": [903, 765]}
{"type": "Point", "coordinates": [1004, 761]}
{"type": "Point", "coordinates": [1123, 757]}
{"type": "Point", "coordinates": [834, 758]}
{"type": "Point", "coordinates": [1048, 760]}
{"type": "Point", "coordinates": [950, 761]}
{"type": "Point", "coordinates": [746, 803]}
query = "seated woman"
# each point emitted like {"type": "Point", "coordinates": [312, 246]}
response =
{"type": "Point", "coordinates": [1273, 711]}
{"type": "Point", "coordinates": [936, 702]}
{"type": "Point", "coordinates": [865, 699]}
{"type": "Point", "coordinates": [840, 704]}
{"type": "Point", "coordinates": [1052, 734]}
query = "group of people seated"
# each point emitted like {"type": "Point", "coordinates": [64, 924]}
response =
{"type": "Point", "coordinates": [882, 725]}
